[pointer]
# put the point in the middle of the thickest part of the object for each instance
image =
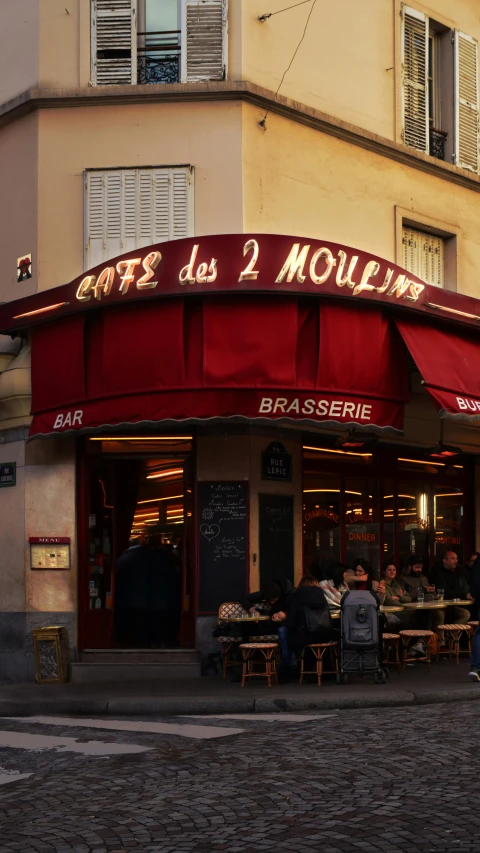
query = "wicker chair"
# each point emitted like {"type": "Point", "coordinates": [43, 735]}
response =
{"type": "Point", "coordinates": [228, 644]}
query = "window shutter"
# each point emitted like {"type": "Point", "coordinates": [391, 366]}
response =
{"type": "Point", "coordinates": [423, 255]}
{"type": "Point", "coordinates": [114, 42]}
{"type": "Point", "coordinates": [204, 40]}
{"type": "Point", "coordinates": [466, 101]}
{"type": "Point", "coordinates": [182, 218]}
{"type": "Point", "coordinates": [415, 78]}
{"type": "Point", "coordinates": [127, 209]}
{"type": "Point", "coordinates": [94, 219]}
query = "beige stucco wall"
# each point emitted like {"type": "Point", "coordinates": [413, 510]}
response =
{"type": "Point", "coordinates": [18, 213]}
{"type": "Point", "coordinates": [19, 47]}
{"type": "Point", "coordinates": [205, 135]}
{"type": "Point", "coordinates": [50, 511]}
{"type": "Point", "coordinates": [12, 515]}
{"type": "Point", "coordinates": [297, 180]}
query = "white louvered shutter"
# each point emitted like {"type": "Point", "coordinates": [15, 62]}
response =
{"type": "Point", "coordinates": [127, 209]}
{"type": "Point", "coordinates": [114, 42]}
{"type": "Point", "coordinates": [423, 255]}
{"type": "Point", "coordinates": [466, 102]}
{"type": "Point", "coordinates": [415, 78]}
{"type": "Point", "coordinates": [204, 40]}
{"type": "Point", "coordinates": [166, 204]}
{"type": "Point", "coordinates": [94, 219]}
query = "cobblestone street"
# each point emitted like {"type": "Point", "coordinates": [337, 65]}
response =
{"type": "Point", "coordinates": [400, 780]}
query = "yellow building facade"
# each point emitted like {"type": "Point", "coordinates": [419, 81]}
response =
{"type": "Point", "coordinates": [126, 123]}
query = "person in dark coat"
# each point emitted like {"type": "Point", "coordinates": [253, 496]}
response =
{"type": "Point", "coordinates": [308, 596]}
{"type": "Point", "coordinates": [132, 596]}
{"type": "Point", "coordinates": [165, 596]}
{"type": "Point", "coordinates": [454, 583]}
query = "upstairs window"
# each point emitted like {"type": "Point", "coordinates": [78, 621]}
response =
{"type": "Point", "coordinates": [126, 209]}
{"type": "Point", "coordinates": [439, 69]}
{"type": "Point", "coordinates": [158, 41]}
{"type": "Point", "coordinates": [423, 255]}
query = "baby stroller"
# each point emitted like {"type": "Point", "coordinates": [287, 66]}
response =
{"type": "Point", "coordinates": [360, 645]}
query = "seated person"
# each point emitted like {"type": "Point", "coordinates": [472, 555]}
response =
{"type": "Point", "coordinates": [395, 592]}
{"type": "Point", "coordinates": [363, 579]}
{"type": "Point", "coordinates": [308, 596]}
{"type": "Point", "coordinates": [336, 586]}
{"type": "Point", "coordinates": [272, 598]}
{"type": "Point", "coordinates": [454, 584]}
{"type": "Point", "coordinates": [414, 580]}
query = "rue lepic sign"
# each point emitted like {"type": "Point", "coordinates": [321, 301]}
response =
{"type": "Point", "coordinates": [8, 474]}
{"type": "Point", "coordinates": [276, 463]}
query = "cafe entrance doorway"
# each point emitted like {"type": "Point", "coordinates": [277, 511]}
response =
{"type": "Point", "coordinates": [137, 583]}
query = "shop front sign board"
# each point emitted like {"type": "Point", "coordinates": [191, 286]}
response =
{"type": "Point", "coordinates": [8, 474]}
{"type": "Point", "coordinates": [276, 463]}
{"type": "Point", "coordinates": [229, 263]}
{"type": "Point", "coordinates": [49, 552]}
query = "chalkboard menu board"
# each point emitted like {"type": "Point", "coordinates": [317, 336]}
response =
{"type": "Point", "coordinates": [223, 541]}
{"type": "Point", "coordinates": [276, 537]}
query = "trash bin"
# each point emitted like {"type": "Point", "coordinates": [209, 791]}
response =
{"type": "Point", "coordinates": [51, 654]}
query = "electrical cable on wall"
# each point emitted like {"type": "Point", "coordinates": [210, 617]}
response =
{"type": "Point", "coordinates": [263, 122]}
{"type": "Point", "coordinates": [265, 17]}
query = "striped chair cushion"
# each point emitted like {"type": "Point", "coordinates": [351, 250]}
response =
{"type": "Point", "coordinates": [473, 623]}
{"type": "Point", "coordinates": [415, 633]}
{"type": "Point", "coordinates": [391, 636]}
{"type": "Point", "coordinates": [229, 609]}
{"type": "Point", "coordinates": [454, 628]}
{"type": "Point", "coordinates": [264, 638]}
{"type": "Point", "coordinates": [258, 646]}
{"type": "Point", "coordinates": [229, 639]}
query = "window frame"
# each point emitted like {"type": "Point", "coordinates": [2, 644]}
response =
{"type": "Point", "coordinates": [451, 234]}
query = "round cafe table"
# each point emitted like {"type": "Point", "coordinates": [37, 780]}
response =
{"type": "Point", "coordinates": [245, 621]}
{"type": "Point", "coordinates": [394, 608]}
{"type": "Point", "coordinates": [258, 618]}
{"type": "Point", "coordinates": [427, 605]}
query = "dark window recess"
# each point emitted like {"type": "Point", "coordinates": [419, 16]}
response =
{"type": "Point", "coordinates": [438, 139]}
{"type": "Point", "coordinates": [114, 53]}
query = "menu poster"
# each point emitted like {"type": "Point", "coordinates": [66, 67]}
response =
{"type": "Point", "coordinates": [49, 552]}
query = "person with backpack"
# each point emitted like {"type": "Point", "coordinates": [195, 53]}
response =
{"type": "Point", "coordinates": [308, 618]}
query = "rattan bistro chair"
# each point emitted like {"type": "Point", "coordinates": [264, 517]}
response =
{"type": "Point", "coordinates": [317, 651]}
{"type": "Point", "coordinates": [453, 634]}
{"type": "Point", "coordinates": [229, 643]}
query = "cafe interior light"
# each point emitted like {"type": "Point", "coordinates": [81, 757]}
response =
{"type": "Point", "coordinates": [444, 451]}
{"type": "Point", "coordinates": [155, 500]}
{"type": "Point", "coordinates": [355, 441]}
{"type": "Point", "coordinates": [141, 437]}
{"type": "Point", "coordinates": [425, 462]}
{"type": "Point", "coordinates": [165, 473]}
{"type": "Point", "coordinates": [331, 450]}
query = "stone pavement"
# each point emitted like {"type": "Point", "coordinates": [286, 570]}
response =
{"type": "Point", "coordinates": [395, 780]}
{"type": "Point", "coordinates": [444, 683]}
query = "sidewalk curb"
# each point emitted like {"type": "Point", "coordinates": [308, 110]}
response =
{"type": "Point", "coordinates": [244, 704]}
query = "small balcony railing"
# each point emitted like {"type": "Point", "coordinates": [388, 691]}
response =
{"type": "Point", "coordinates": [158, 57]}
{"type": "Point", "coordinates": [438, 139]}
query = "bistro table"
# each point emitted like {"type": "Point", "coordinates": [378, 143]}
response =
{"type": "Point", "coordinates": [394, 608]}
{"type": "Point", "coordinates": [427, 605]}
{"type": "Point", "coordinates": [244, 621]}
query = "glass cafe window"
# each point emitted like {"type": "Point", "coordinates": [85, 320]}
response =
{"type": "Point", "coordinates": [362, 529]}
{"type": "Point", "coordinates": [448, 520]}
{"type": "Point", "coordinates": [321, 519]}
{"type": "Point", "coordinates": [413, 520]}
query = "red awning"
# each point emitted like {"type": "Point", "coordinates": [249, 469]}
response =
{"type": "Point", "coordinates": [250, 356]}
{"type": "Point", "coordinates": [449, 364]}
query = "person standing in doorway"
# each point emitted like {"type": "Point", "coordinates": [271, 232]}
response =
{"type": "Point", "coordinates": [164, 597]}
